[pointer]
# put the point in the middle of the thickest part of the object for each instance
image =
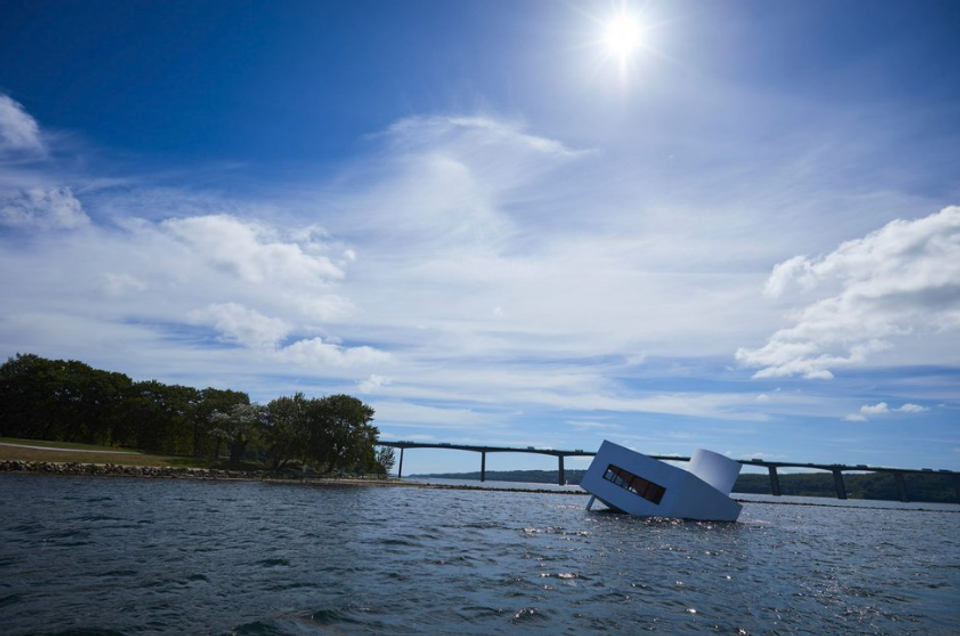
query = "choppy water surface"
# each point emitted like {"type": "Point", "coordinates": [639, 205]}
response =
{"type": "Point", "coordinates": [98, 556]}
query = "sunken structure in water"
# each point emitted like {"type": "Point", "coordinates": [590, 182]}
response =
{"type": "Point", "coordinates": [630, 482]}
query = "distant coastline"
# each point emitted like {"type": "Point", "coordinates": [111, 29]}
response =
{"type": "Point", "coordinates": [869, 486]}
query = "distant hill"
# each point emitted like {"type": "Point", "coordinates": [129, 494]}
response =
{"type": "Point", "coordinates": [929, 488]}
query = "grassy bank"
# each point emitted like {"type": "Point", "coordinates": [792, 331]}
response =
{"type": "Point", "coordinates": [67, 452]}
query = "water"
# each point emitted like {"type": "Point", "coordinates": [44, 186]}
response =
{"type": "Point", "coordinates": [112, 555]}
{"type": "Point", "coordinates": [739, 496]}
{"type": "Point", "coordinates": [495, 485]}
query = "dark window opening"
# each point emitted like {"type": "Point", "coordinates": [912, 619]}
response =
{"type": "Point", "coordinates": [638, 485]}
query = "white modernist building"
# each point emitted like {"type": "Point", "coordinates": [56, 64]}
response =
{"type": "Point", "coordinates": [628, 481]}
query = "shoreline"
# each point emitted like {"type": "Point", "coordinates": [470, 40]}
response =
{"type": "Point", "coordinates": [84, 469]}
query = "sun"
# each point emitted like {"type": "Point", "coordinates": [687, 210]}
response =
{"type": "Point", "coordinates": [622, 35]}
{"type": "Point", "coordinates": [627, 37]}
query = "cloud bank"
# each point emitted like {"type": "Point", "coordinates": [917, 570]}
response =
{"type": "Point", "coordinates": [902, 280]}
{"type": "Point", "coordinates": [464, 275]}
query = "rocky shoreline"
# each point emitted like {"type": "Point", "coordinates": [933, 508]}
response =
{"type": "Point", "coordinates": [103, 470]}
{"type": "Point", "coordinates": [171, 472]}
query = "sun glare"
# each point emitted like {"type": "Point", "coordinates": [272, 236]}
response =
{"type": "Point", "coordinates": [622, 36]}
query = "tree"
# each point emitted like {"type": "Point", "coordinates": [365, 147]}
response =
{"type": "Point", "coordinates": [386, 458]}
{"type": "Point", "coordinates": [157, 417]}
{"type": "Point", "coordinates": [58, 399]}
{"type": "Point", "coordinates": [286, 431]}
{"type": "Point", "coordinates": [340, 432]}
{"type": "Point", "coordinates": [24, 396]}
{"type": "Point", "coordinates": [205, 443]}
{"type": "Point", "coordinates": [238, 427]}
{"type": "Point", "coordinates": [71, 401]}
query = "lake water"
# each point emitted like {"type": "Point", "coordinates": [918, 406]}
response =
{"type": "Point", "coordinates": [137, 556]}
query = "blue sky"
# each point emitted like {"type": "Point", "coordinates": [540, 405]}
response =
{"type": "Point", "coordinates": [479, 218]}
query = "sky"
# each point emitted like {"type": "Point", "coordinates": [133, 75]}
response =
{"type": "Point", "coordinates": [735, 230]}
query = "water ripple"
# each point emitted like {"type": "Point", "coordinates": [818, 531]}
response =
{"type": "Point", "coordinates": [127, 556]}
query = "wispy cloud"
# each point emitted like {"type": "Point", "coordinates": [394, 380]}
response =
{"type": "Point", "coordinates": [42, 209]}
{"type": "Point", "coordinates": [19, 131]}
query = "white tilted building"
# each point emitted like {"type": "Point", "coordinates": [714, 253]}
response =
{"type": "Point", "coordinates": [631, 482]}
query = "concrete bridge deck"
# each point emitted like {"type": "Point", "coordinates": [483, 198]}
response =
{"type": "Point", "coordinates": [836, 469]}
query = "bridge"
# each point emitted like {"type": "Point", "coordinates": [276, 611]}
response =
{"type": "Point", "coordinates": [772, 467]}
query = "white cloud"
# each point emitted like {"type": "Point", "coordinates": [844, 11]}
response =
{"type": "Point", "coordinates": [18, 130]}
{"type": "Point", "coordinates": [876, 409]}
{"type": "Point", "coordinates": [246, 326]}
{"type": "Point", "coordinates": [373, 383]}
{"type": "Point", "coordinates": [795, 270]}
{"type": "Point", "coordinates": [912, 408]}
{"type": "Point", "coordinates": [882, 408]}
{"type": "Point", "coordinates": [252, 250]}
{"type": "Point", "coordinates": [42, 208]}
{"type": "Point", "coordinates": [314, 352]}
{"type": "Point", "coordinates": [902, 281]}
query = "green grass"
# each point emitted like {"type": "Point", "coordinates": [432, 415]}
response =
{"type": "Point", "coordinates": [48, 443]}
{"type": "Point", "coordinates": [126, 457]}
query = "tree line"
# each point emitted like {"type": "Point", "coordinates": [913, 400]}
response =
{"type": "Point", "coordinates": [70, 401]}
{"type": "Point", "coordinates": [878, 486]}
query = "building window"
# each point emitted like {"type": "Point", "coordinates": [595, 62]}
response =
{"type": "Point", "coordinates": [638, 485]}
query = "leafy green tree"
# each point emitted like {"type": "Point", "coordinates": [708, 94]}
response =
{"type": "Point", "coordinates": [28, 397]}
{"type": "Point", "coordinates": [71, 401]}
{"type": "Point", "coordinates": [286, 430]}
{"type": "Point", "coordinates": [58, 399]}
{"type": "Point", "coordinates": [181, 405]}
{"type": "Point", "coordinates": [239, 426]}
{"type": "Point", "coordinates": [341, 436]}
{"type": "Point", "coordinates": [205, 443]}
{"type": "Point", "coordinates": [157, 417]}
{"type": "Point", "coordinates": [24, 396]}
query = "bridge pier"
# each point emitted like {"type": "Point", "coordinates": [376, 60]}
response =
{"type": "Point", "coordinates": [901, 486]}
{"type": "Point", "coordinates": [400, 469]}
{"type": "Point", "coordinates": [483, 465]}
{"type": "Point", "coordinates": [774, 481]}
{"type": "Point", "coordinates": [560, 476]}
{"type": "Point", "coordinates": [838, 482]}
